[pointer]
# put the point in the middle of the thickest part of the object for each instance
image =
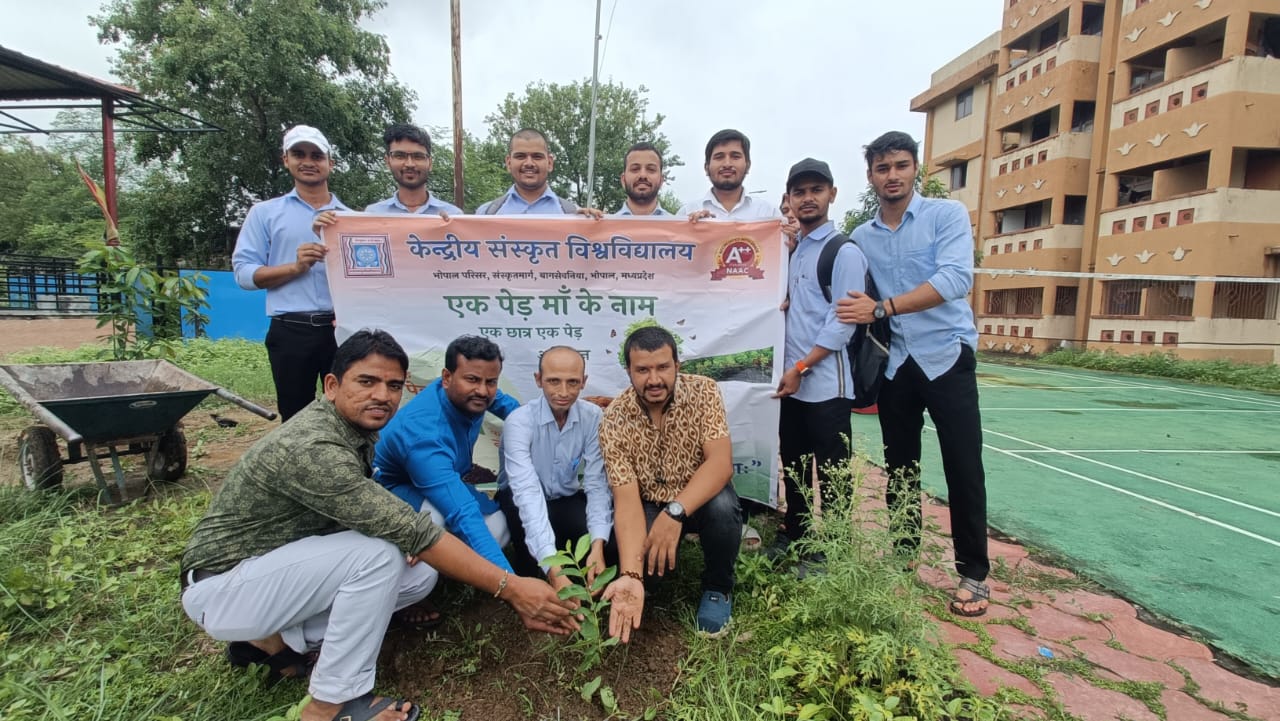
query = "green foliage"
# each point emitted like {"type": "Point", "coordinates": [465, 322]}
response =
{"type": "Point", "coordinates": [132, 293]}
{"type": "Point", "coordinates": [757, 363]}
{"type": "Point", "coordinates": [869, 203]}
{"type": "Point", "coordinates": [563, 114]}
{"type": "Point", "coordinates": [91, 629]}
{"type": "Point", "coordinates": [589, 644]}
{"type": "Point", "coordinates": [1264, 377]}
{"type": "Point", "coordinates": [276, 63]}
{"type": "Point", "coordinates": [812, 649]}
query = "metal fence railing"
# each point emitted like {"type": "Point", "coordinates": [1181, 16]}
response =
{"type": "Point", "coordinates": [32, 283]}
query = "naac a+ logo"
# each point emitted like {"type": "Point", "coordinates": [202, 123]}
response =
{"type": "Point", "coordinates": [738, 258]}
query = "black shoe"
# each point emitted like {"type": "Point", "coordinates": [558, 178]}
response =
{"type": "Point", "coordinates": [778, 550]}
{"type": "Point", "coordinates": [811, 564]}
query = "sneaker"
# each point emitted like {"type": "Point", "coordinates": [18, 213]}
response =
{"type": "Point", "coordinates": [811, 564]}
{"type": "Point", "coordinates": [779, 549]}
{"type": "Point", "coordinates": [714, 613]}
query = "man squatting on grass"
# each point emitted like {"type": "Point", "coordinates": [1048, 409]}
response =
{"type": "Point", "coordinates": [920, 251]}
{"type": "Point", "coordinates": [300, 546]}
{"type": "Point", "coordinates": [668, 458]}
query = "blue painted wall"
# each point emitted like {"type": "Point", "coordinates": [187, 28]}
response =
{"type": "Point", "coordinates": [233, 312]}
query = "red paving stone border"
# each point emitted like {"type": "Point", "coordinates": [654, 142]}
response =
{"type": "Point", "coordinates": [1096, 641]}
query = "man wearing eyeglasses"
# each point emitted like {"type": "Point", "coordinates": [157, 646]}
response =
{"type": "Point", "coordinates": [409, 160]}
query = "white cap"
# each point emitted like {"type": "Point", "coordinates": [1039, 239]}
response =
{"type": "Point", "coordinates": [306, 134]}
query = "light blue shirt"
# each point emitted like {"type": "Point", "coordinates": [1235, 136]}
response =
{"type": "Point", "coordinates": [433, 206]}
{"type": "Point", "coordinates": [512, 204]}
{"type": "Point", "coordinates": [424, 451]}
{"type": "Point", "coordinates": [626, 210]}
{"type": "Point", "coordinates": [811, 318]}
{"type": "Point", "coordinates": [933, 245]}
{"type": "Point", "coordinates": [541, 460]}
{"type": "Point", "coordinates": [271, 234]}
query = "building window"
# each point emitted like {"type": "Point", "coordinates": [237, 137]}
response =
{"type": "Point", "coordinates": [1073, 210]}
{"type": "Point", "coordinates": [1148, 299]}
{"type": "Point", "coordinates": [964, 103]}
{"type": "Point", "coordinates": [1014, 302]}
{"type": "Point", "coordinates": [1064, 300]}
{"type": "Point", "coordinates": [1257, 301]}
{"type": "Point", "coordinates": [959, 176]}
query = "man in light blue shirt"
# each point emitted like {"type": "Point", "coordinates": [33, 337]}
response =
{"type": "Point", "coordinates": [530, 163]}
{"type": "Point", "coordinates": [642, 180]}
{"type": "Point", "coordinates": [424, 453]}
{"type": "Point", "coordinates": [546, 445]}
{"type": "Point", "coordinates": [817, 386]}
{"type": "Point", "coordinates": [278, 250]}
{"type": "Point", "coordinates": [921, 255]}
{"type": "Point", "coordinates": [409, 160]}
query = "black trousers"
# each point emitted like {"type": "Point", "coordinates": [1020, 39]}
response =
{"type": "Point", "coordinates": [808, 431]}
{"type": "Point", "coordinates": [719, 527]}
{"type": "Point", "coordinates": [952, 402]}
{"type": "Point", "coordinates": [568, 518]}
{"type": "Point", "coordinates": [300, 354]}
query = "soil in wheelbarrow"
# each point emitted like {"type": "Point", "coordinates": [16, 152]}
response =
{"type": "Point", "coordinates": [212, 448]}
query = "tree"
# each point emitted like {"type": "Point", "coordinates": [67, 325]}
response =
{"type": "Point", "coordinates": [563, 114]}
{"type": "Point", "coordinates": [253, 68]}
{"type": "Point", "coordinates": [869, 203]}
{"type": "Point", "coordinates": [485, 174]}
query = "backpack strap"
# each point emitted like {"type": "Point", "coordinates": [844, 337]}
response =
{"type": "Point", "coordinates": [827, 261]}
{"type": "Point", "coordinates": [568, 207]}
{"type": "Point", "coordinates": [495, 205]}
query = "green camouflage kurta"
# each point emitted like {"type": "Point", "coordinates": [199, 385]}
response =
{"type": "Point", "coordinates": [309, 477]}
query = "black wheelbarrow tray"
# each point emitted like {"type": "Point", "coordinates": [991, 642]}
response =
{"type": "Point", "coordinates": [108, 409]}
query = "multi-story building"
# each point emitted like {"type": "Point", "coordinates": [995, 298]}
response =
{"type": "Point", "coordinates": [1123, 157]}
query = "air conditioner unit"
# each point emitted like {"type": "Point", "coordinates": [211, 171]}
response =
{"type": "Point", "coordinates": [1010, 140]}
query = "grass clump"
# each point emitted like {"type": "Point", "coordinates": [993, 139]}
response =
{"type": "Point", "coordinates": [852, 641]}
{"type": "Point", "coordinates": [1168, 365]}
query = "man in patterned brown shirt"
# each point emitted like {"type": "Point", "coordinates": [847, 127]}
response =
{"type": "Point", "coordinates": [669, 460]}
{"type": "Point", "coordinates": [300, 545]}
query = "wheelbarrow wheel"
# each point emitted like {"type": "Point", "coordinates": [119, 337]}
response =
{"type": "Point", "coordinates": [167, 460]}
{"type": "Point", "coordinates": [41, 462]}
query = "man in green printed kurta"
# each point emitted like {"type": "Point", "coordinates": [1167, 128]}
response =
{"type": "Point", "coordinates": [300, 545]}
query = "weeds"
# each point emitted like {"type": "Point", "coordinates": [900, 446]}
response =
{"type": "Point", "coordinates": [1168, 365]}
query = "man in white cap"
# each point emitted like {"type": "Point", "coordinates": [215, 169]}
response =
{"type": "Point", "coordinates": [279, 251]}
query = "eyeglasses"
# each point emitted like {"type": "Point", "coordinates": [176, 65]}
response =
{"type": "Point", "coordinates": [400, 156]}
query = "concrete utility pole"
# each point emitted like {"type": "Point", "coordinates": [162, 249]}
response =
{"type": "Point", "coordinates": [591, 137]}
{"type": "Point", "coordinates": [455, 25]}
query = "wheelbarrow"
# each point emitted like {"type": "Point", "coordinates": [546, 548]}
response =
{"type": "Point", "coordinates": [109, 409]}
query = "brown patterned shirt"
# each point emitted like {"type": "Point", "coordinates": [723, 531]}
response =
{"type": "Point", "coordinates": [662, 460]}
{"type": "Point", "coordinates": [308, 477]}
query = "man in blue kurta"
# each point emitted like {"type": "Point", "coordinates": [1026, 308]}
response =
{"type": "Point", "coordinates": [425, 451]}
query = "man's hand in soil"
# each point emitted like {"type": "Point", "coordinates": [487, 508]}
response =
{"type": "Point", "coordinates": [661, 544]}
{"type": "Point", "coordinates": [626, 604]}
{"type": "Point", "coordinates": [559, 582]}
{"type": "Point", "coordinates": [538, 606]}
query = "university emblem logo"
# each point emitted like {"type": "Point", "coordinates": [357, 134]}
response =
{"type": "Point", "coordinates": [366, 256]}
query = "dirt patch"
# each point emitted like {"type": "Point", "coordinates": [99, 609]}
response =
{"type": "Point", "coordinates": [20, 334]}
{"type": "Point", "coordinates": [483, 664]}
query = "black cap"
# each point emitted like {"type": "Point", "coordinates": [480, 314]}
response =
{"type": "Point", "coordinates": [809, 166]}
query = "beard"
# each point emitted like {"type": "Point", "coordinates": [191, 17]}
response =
{"type": "Point", "coordinates": [642, 196]}
{"type": "Point", "coordinates": [726, 184]}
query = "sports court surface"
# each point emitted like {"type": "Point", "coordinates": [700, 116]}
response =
{"type": "Point", "coordinates": [1167, 493]}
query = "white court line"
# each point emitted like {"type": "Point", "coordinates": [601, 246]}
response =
{"type": "Point", "coordinates": [1157, 451]}
{"type": "Point", "coordinates": [1139, 496]}
{"type": "Point", "coordinates": [1046, 387]}
{"type": "Point", "coordinates": [1128, 383]}
{"type": "Point", "coordinates": [1131, 410]}
{"type": "Point", "coordinates": [1143, 476]}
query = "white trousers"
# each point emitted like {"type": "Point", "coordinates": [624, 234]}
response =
{"type": "Point", "coordinates": [496, 522]}
{"type": "Point", "coordinates": [340, 589]}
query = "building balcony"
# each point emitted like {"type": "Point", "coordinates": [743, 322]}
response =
{"type": "Point", "coordinates": [1054, 147]}
{"type": "Point", "coordinates": [1146, 24]}
{"type": "Point", "coordinates": [1022, 249]}
{"type": "Point", "coordinates": [1241, 74]}
{"type": "Point", "coordinates": [1079, 48]}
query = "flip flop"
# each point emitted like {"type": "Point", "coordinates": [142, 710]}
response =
{"type": "Point", "coordinates": [418, 616]}
{"type": "Point", "coordinates": [285, 664]}
{"type": "Point", "coordinates": [363, 708]}
{"type": "Point", "coordinates": [978, 592]}
{"type": "Point", "coordinates": [750, 538]}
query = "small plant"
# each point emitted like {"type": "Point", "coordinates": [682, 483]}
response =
{"type": "Point", "coordinates": [589, 643]}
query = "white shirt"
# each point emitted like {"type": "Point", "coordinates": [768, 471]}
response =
{"type": "Point", "coordinates": [541, 460]}
{"type": "Point", "coordinates": [751, 207]}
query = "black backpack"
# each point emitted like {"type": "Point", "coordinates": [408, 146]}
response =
{"type": "Point", "coordinates": [868, 349]}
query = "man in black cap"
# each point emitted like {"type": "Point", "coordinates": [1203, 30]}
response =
{"type": "Point", "coordinates": [817, 387]}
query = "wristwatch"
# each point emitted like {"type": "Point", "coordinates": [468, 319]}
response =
{"type": "Point", "coordinates": [878, 313]}
{"type": "Point", "coordinates": [803, 369]}
{"type": "Point", "coordinates": [676, 510]}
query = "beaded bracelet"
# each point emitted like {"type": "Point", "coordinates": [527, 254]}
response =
{"type": "Point", "coordinates": [502, 585]}
{"type": "Point", "coordinates": [632, 574]}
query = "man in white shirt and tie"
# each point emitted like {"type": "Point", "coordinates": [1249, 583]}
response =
{"type": "Point", "coordinates": [546, 445]}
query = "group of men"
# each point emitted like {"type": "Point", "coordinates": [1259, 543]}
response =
{"type": "Point", "coordinates": [342, 518]}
